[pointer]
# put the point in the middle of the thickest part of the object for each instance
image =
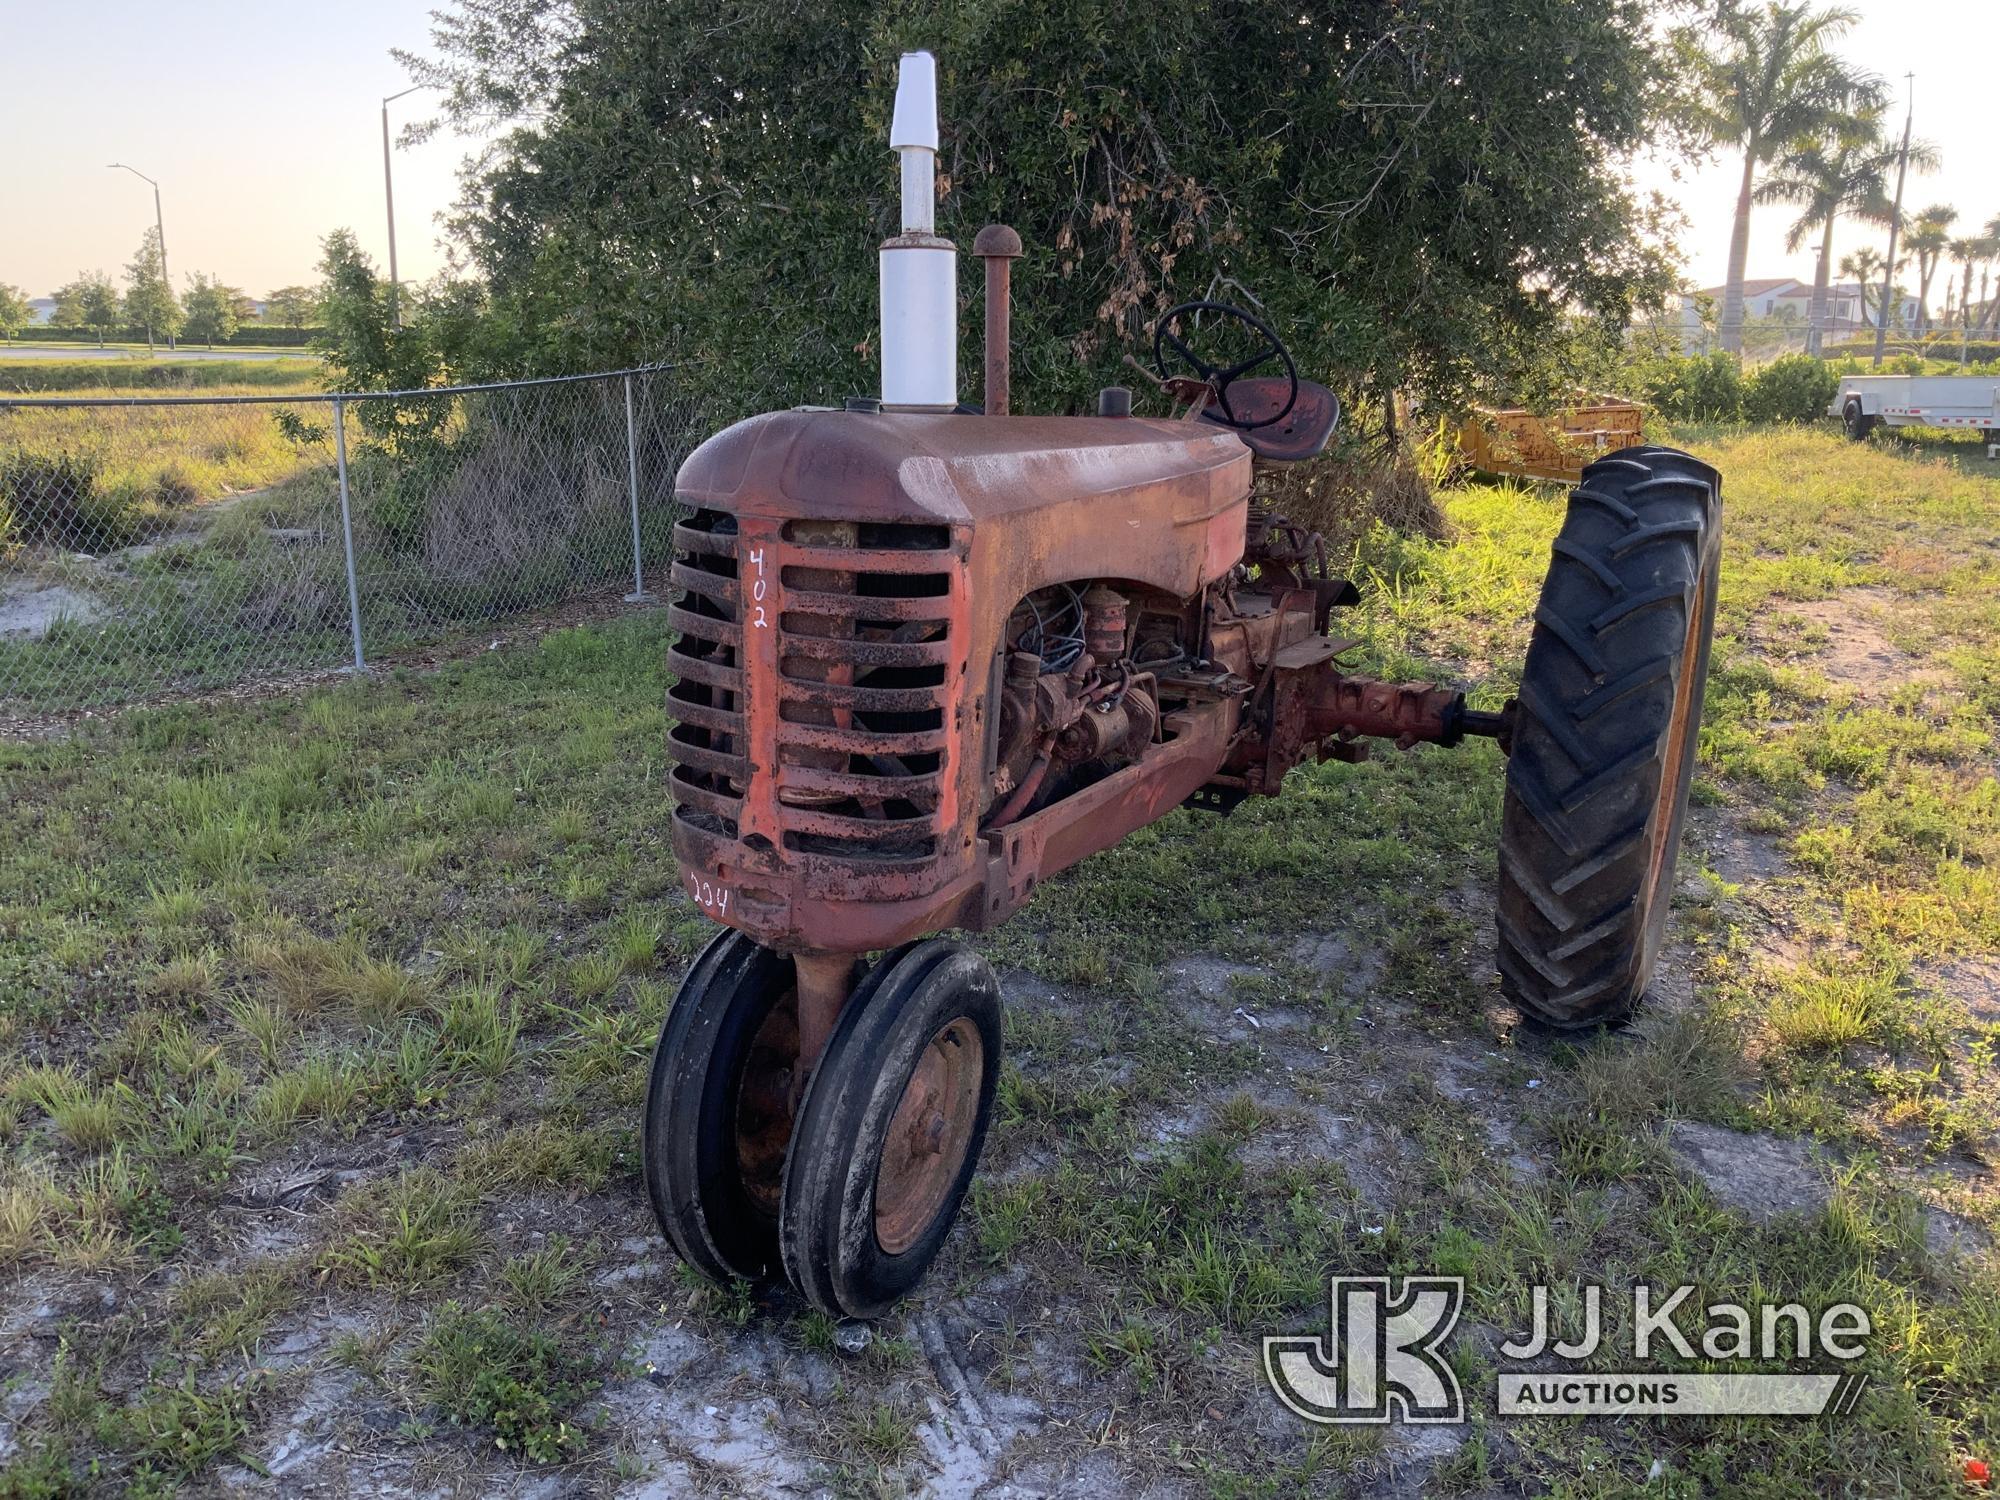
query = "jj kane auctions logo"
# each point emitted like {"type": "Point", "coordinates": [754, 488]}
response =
{"type": "Point", "coordinates": [1382, 1358]}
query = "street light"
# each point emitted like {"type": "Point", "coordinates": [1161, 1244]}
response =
{"type": "Point", "coordinates": [159, 223]}
{"type": "Point", "coordinates": [389, 196]}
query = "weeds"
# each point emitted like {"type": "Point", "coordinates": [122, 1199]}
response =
{"type": "Point", "coordinates": [482, 1370]}
{"type": "Point", "coordinates": [405, 1233]}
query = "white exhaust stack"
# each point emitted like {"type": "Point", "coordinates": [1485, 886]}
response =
{"type": "Point", "coordinates": [919, 270]}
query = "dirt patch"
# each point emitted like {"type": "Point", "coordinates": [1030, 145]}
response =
{"type": "Point", "coordinates": [1733, 852]}
{"type": "Point", "coordinates": [1975, 984]}
{"type": "Point", "coordinates": [1760, 1176]}
{"type": "Point", "coordinates": [1857, 653]}
{"type": "Point", "coordinates": [31, 611]}
{"type": "Point", "coordinates": [1951, 1236]}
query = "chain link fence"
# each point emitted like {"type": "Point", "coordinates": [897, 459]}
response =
{"type": "Point", "coordinates": [155, 545]}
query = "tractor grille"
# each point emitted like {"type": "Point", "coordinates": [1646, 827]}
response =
{"type": "Point", "coordinates": [706, 701]}
{"type": "Point", "coordinates": [863, 645]}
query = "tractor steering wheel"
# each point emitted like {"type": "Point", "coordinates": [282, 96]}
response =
{"type": "Point", "coordinates": [1218, 378]}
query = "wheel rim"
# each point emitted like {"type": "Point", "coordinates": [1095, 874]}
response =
{"type": "Point", "coordinates": [764, 1104]}
{"type": "Point", "coordinates": [1671, 767]}
{"type": "Point", "coordinates": [929, 1135]}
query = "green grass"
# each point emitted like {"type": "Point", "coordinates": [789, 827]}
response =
{"type": "Point", "coordinates": [425, 927]}
{"type": "Point", "coordinates": [84, 377]}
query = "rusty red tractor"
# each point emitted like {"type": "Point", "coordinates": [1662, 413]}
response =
{"type": "Point", "coordinates": [928, 656]}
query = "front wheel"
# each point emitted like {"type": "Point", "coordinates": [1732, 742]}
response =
{"type": "Point", "coordinates": [1857, 423]}
{"type": "Point", "coordinates": [719, 1108]}
{"type": "Point", "coordinates": [1604, 737]}
{"type": "Point", "coordinates": [891, 1129]}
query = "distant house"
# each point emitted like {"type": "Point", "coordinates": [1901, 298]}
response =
{"type": "Point", "coordinates": [1761, 298]}
{"type": "Point", "coordinates": [1786, 298]}
{"type": "Point", "coordinates": [41, 310]}
{"type": "Point", "coordinates": [1847, 310]}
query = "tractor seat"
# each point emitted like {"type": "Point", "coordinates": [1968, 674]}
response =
{"type": "Point", "coordinates": [1302, 433]}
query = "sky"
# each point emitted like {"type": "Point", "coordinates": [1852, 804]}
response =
{"type": "Point", "coordinates": [1948, 45]}
{"type": "Point", "coordinates": [262, 124]}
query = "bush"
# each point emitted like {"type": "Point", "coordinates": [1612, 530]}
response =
{"type": "Point", "coordinates": [1942, 347]}
{"type": "Point", "coordinates": [53, 498]}
{"type": "Point", "coordinates": [1344, 495]}
{"type": "Point", "coordinates": [1692, 387]}
{"type": "Point", "coordinates": [1795, 388]}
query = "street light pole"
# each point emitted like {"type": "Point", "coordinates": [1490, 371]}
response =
{"type": "Point", "coordinates": [389, 200]}
{"type": "Point", "coordinates": [160, 227]}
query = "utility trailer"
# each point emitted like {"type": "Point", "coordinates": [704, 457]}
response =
{"type": "Point", "coordinates": [1866, 402]}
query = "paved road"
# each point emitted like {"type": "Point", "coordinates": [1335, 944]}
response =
{"type": "Point", "coordinates": [91, 351]}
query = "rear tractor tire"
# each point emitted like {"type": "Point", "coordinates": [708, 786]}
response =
{"type": "Point", "coordinates": [1604, 737]}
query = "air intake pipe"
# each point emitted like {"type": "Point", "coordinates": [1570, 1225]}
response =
{"type": "Point", "coordinates": [919, 269]}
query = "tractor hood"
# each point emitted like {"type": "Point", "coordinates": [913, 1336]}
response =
{"type": "Point", "coordinates": [949, 468]}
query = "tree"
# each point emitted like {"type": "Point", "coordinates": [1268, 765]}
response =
{"type": "Point", "coordinates": [90, 301]}
{"type": "Point", "coordinates": [1929, 237]}
{"type": "Point", "coordinates": [293, 306]}
{"type": "Point", "coordinates": [213, 310]}
{"type": "Point", "coordinates": [1968, 252]}
{"type": "Point", "coordinates": [1842, 171]}
{"type": "Point", "coordinates": [1766, 81]}
{"type": "Point", "coordinates": [1390, 183]}
{"type": "Point", "coordinates": [1990, 236]}
{"type": "Point", "coordinates": [149, 300]}
{"type": "Point", "coordinates": [1867, 267]}
{"type": "Point", "coordinates": [365, 348]}
{"type": "Point", "coordinates": [14, 313]}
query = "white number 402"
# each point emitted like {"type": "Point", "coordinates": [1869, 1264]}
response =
{"type": "Point", "coordinates": [759, 586]}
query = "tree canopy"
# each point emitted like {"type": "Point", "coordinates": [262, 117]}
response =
{"type": "Point", "coordinates": [149, 298]}
{"type": "Point", "coordinates": [14, 311]}
{"type": "Point", "coordinates": [90, 301]}
{"type": "Point", "coordinates": [213, 310]}
{"type": "Point", "coordinates": [1426, 194]}
{"type": "Point", "coordinates": [293, 306]}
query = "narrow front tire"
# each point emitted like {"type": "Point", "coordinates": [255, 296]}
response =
{"type": "Point", "coordinates": [891, 1129]}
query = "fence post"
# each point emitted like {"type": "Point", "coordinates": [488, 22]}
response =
{"type": "Point", "coordinates": [347, 529]}
{"type": "Point", "coordinates": [638, 594]}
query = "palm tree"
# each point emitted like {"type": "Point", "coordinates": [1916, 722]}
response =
{"type": "Point", "coordinates": [1865, 267]}
{"type": "Point", "coordinates": [1972, 251]}
{"type": "Point", "coordinates": [1930, 234]}
{"type": "Point", "coordinates": [1844, 171]}
{"type": "Point", "coordinates": [1968, 252]}
{"type": "Point", "coordinates": [1991, 236]}
{"type": "Point", "coordinates": [1771, 81]}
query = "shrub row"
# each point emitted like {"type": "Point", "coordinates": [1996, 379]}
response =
{"type": "Point", "coordinates": [251, 335]}
{"type": "Point", "coordinates": [1714, 388]}
{"type": "Point", "coordinates": [1938, 346]}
